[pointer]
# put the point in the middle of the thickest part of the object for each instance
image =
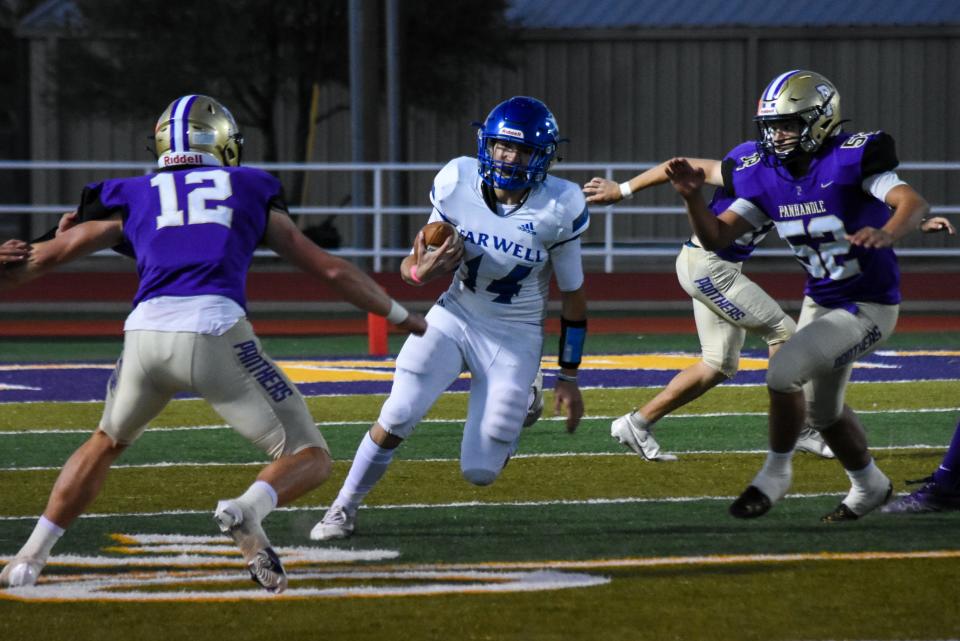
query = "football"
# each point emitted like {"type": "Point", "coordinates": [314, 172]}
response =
{"type": "Point", "coordinates": [436, 232]}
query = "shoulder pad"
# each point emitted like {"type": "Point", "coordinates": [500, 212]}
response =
{"type": "Point", "coordinates": [452, 174]}
{"type": "Point", "coordinates": [879, 155]}
{"type": "Point", "coordinates": [572, 214]}
{"type": "Point", "coordinates": [743, 153]}
{"type": "Point", "coordinates": [258, 177]}
{"type": "Point", "coordinates": [739, 167]}
{"type": "Point", "coordinates": [863, 154]}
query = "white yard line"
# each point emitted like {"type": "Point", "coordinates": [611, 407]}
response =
{"type": "Point", "coordinates": [629, 500]}
{"type": "Point", "coordinates": [546, 455]}
{"type": "Point", "coordinates": [550, 419]}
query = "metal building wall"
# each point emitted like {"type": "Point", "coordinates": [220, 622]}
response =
{"type": "Point", "coordinates": [628, 96]}
{"type": "Point", "coordinates": [643, 96]}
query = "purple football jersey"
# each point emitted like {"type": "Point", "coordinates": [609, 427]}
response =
{"type": "Point", "coordinates": [742, 247]}
{"type": "Point", "coordinates": [193, 230]}
{"type": "Point", "coordinates": [813, 214]}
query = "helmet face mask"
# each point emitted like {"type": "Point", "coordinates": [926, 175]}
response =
{"type": "Point", "coordinates": [197, 130]}
{"type": "Point", "coordinates": [782, 137]}
{"type": "Point", "coordinates": [522, 125]}
{"type": "Point", "coordinates": [809, 102]}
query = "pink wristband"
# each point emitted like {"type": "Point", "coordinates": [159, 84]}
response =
{"type": "Point", "coordinates": [413, 275]}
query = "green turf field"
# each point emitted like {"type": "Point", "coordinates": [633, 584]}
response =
{"type": "Point", "coordinates": [578, 539]}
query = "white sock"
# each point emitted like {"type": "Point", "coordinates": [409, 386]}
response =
{"type": "Point", "coordinates": [369, 465]}
{"type": "Point", "coordinates": [868, 488]}
{"type": "Point", "coordinates": [639, 421]}
{"type": "Point", "coordinates": [45, 534]}
{"type": "Point", "coordinates": [775, 476]}
{"type": "Point", "coordinates": [260, 498]}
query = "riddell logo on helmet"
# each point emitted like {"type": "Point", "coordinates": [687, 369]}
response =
{"type": "Point", "coordinates": [507, 131]}
{"type": "Point", "coordinates": [767, 107]}
{"type": "Point", "coordinates": [182, 159]}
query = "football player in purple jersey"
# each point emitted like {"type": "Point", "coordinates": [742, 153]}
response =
{"type": "Point", "coordinates": [726, 305]}
{"type": "Point", "coordinates": [837, 201]}
{"type": "Point", "coordinates": [193, 227]}
{"type": "Point", "coordinates": [939, 492]}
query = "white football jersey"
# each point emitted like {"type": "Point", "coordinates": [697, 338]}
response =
{"type": "Point", "coordinates": [507, 263]}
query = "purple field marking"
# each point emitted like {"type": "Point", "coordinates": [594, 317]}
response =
{"type": "Point", "coordinates": [89, 384]}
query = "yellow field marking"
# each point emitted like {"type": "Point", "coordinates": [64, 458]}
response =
{"type": "Point", "coordinates": [335, 370]}
{"type": "Point", "coordinates": [715, 559]}
{"type": "Point", "coordinates": [129, 581]}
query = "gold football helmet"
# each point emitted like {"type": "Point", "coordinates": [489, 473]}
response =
{"type": "Point", "coordinates": [197, 130]}
{"type": "Point", "coordinates": [804, 98]}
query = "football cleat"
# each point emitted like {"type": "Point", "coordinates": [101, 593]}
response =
{"type": "Point", "coordinates": [337, 523]}
{"type": "Point", "coordinates": [839, 514]}
{"type": "Point", "coordinates": [866, 504]}
{"type": "Point", "coordinates": [535, 401]}
{"type": "Point", "coordinates": [811, 440]}
{"type": "Point", "coordinates": [931, 497]}
{"type": "Point", "coordinates": [637, 439]}
{"type": "Point", "coordinates": [21, 572]}
{"type": "Point", "coordinates": [751, 504]}
{"type": "Point", "coordinates": [267, 571]}
{"type": "Point", "coordinates": [262, 562]}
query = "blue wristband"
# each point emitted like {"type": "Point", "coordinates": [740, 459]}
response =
{"type": "Point", "coordinates": [572, 336]}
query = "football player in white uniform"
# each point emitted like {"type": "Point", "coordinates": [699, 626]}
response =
{"type": "Point", "coordinates": [516, 224]}
{"type": "Point", "coordinates": [726, 305]}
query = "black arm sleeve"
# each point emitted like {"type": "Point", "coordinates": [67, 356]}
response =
{"type": "Point", "coordinates": [879, 155]}
{"type": "Point", "coordinates": [278, 202]}
{"type": "Point", "coordinates": [90, 208]}
{"type": "Point", "coordinates": [727, 168]}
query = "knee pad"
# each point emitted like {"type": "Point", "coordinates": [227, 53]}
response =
{"type": "Point", "coordinates": [395, 412]}
{"type": "Point", "coordinates": [781, 377]}
{"type": "Point", "coordinates": [273, 442]}
{"type": "Point", "coordinates": [479, 476]}
{"type": "Point", "coordinates": [728, 365]}
{"type": "Point", "coordinates": [781, 331]}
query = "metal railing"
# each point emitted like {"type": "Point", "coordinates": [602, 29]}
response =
{"type": "Point", "coordinates": [377, 251]}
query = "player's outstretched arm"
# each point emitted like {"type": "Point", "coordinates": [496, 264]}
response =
{"type": "Point", "coordinates": [68, 221]}
{"type": "Point", "coordinates": [714, 232]}
{"type": "Point", "coordinates": [909, 208]}
{"type": "Point", "coordinates": [352, 284]}
{"type": "Point", "coordinates": [936, 224]}
{"type": "Point", "coordinates": [14, 251]}
{"type": "Point", "coordinates": [81, 240]}
{"type": "Point", "coordinates": [601, 191]}
{"type": "Point", "coordinates": [567, 397]}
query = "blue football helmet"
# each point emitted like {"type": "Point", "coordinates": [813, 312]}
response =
{"type": "Point", "coordinates": [523, 121]}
